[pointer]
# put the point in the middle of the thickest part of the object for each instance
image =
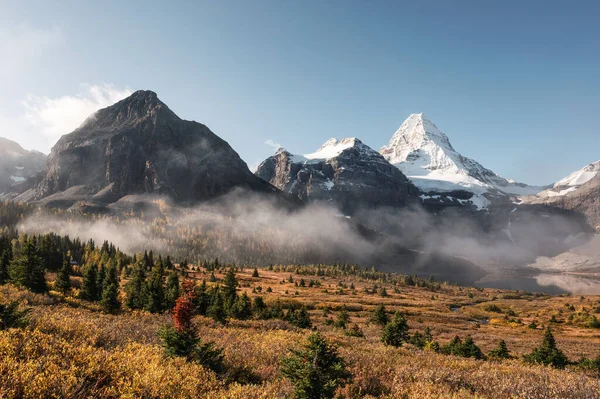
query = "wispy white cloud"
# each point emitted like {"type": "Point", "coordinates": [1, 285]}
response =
{"type": "Point", "coordinates": [44, 119]}
{"type": "Point", "coordinates": [273, 144]}
{"type": "Point", "coordinates": [54, 117]}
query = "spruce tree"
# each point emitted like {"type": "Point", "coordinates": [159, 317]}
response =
{"type": "Point", "coordinates": [343, 319]}
{"type": "Point", "coordinates": [110, 298]}
{"type": "Point", "coordinates": [100, 279]}
{"type": "Point", "coordinates": [230, 284]}
{"type": "Point", "coordinates": [395, 333]}
{"type": "Point", "coordinates": [548, 353]}
{"type": "Point", "coordinates": [501, 352]}
{"type": "Point", "coordinates": [89, 290]}
{"type": "Point", "coordinates": [379, 316]}
{"type": "Point", "coordinates": [28, 270]}
{"type": "Point", "coordinates": [134, 289]}
{"type": "Point", "coordinates": [172, 291]}
{"type": "Point", "coordinates": [243, 307]}
{"type": "Point", "coordinates": [110, 291]}
{"type": "Point", "coordinates": [315, 371]}
{"type": "Point", "coordinates": [4, 263]}
{"type": "Point", "coordinates": [216, 309]}
{"type": "Point", "coordinates": [201, 299]}
{"type": "Point", "coordinates": [63, 279]}
{"type": "Point", "coordinates": [259, 307]}
{"type": "Point", "coordinates": [155, 291]}
{"type": "Point", "coordinates": [255, 273]}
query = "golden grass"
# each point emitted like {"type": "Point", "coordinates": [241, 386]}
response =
{"type": "Point", "coordinates": [73, 350]}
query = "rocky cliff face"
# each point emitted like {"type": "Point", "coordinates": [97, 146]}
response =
{"type": "Point", "coordinates": [347, 173]}
{"type": "Point", "coordinates": [17, 164]}
{"type": "Point", "coordinates": [139, 146]}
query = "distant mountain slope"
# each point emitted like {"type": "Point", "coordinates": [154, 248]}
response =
{"type": "Point", "coordinates": [347, 172]}
{"type": "Point", "coordinates": [580, 191]}
{"type": "Point", "coordinates": [424, 154]}
{"type": "Point", "coordinates": [17, 164]}
{"type": "Point", "coordinates": [572, 182]}
{"type": "Point", "coordinates": [139, 146]}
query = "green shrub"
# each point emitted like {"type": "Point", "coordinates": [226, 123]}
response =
{"type": "Point", "coordinates": [501, 352]}
{"type": "Point", "coordinates": [379, 316]}
{"type": "Point", "coordinates": [395, 333]}
{"type": "Point", "coordinates": [467, 348]}
{"type": "Point", "coordinates": [316, 371]}
{"type": "Point", "coordinates": [12, 317]}
{"type": "Point", "coordinates": [547, 353]}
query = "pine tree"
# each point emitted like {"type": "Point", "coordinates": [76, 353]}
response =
{"type": "Point", "coordinates": [155, 291]}
{"type": "Point", "coordinates": [259, 307]}
{"type": "Point", "coordinates": [230, 284]}
{"type": "Point", "coordinates": [379, 316]}
{"type": "Point", "coordinates": [110, 298]}
{"type": "Point", "coordinates": [242, 307]}
{"type": "Point", "coordinates": [172, 291]}
{"type": "Point", "coordinates": [89, 290]}
{"type": "Point", "coordinates": [63, 279]}
{"type": "Point", "coordinates": [4, 263]}
{"type": "Point", "coordinates": [469, 349]}
{"type": "Point", "coordinates": [100, 279]}
{"type": "Point", "coordinates": [501, 352]}
{"type": "Point", "coordinates": [395, 333]}
{"type": "Point", "coordinates": [216, 309]}
{"type": "Point", "coordinates": [317, 370]}
{"type": "Point", "coordinates": [28, 270]}
{"type": "Point", "coordinates": [201, 299]}
{"type": "Point", "coordinates": [548, 353]}
{"type": "Point", "coordinates": [135, 288]}
{"type": "Point", "coordinates": [301, 318]}
{"type": "Point", "coordinates": [343, 319]}
{"type": "Point", "coordinates": [255, 273]}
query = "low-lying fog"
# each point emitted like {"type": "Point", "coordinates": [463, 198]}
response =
{"type": "Point", "coordinates": [245, 228]}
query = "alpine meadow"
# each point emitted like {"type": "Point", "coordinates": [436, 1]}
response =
{"type": "Point", "coordinates": [427, 228]}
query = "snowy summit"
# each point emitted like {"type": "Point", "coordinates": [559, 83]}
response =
{"type": "Point", "coordinates": [426, 156]}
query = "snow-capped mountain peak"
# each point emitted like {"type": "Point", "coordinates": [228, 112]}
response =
{"type": "Point", "coordinates": [419, 141]}
{"type": "Point", "coordinates": [426, 156]}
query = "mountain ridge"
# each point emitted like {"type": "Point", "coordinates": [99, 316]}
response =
{"type": "Point", "coordinates": [347, 173]}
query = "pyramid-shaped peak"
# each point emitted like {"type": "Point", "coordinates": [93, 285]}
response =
{"type": "Point", "coordinates": [138, 106]}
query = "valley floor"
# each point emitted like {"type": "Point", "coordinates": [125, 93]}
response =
{"type": "Point", "coordinates": [71, 349]}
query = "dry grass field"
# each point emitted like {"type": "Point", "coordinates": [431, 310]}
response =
{"type": "Point", "coordinates": [71, 349]}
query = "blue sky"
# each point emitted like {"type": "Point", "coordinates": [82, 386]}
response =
{"type": "Point", "coordinates": [514, 84]}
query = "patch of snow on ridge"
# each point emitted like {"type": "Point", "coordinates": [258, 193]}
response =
{"type": "Point", "coordinates": [572, 182]}
{"type": "Point", "coordinates": [580, 177]}
{"type": "Point", "coordinates": [17, 179]}
{"type": "Point", "coordinates": [332, 148]}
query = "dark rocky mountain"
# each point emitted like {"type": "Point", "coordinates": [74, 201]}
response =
{"type": "Point", "coordinates": [139, 146]}
{"type": "Point", "coordinates": [17, 164]}
{"type": "Point", "coordinates": [347, 173]}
